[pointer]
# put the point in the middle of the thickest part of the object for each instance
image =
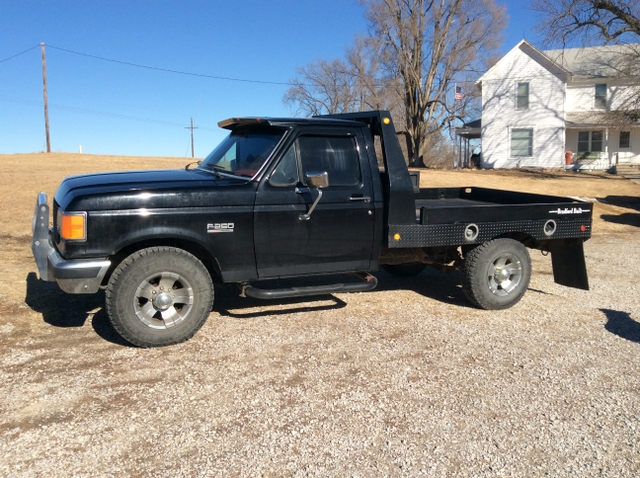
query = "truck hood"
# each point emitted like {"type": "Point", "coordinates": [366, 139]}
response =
{"type": "Point", "coordinates": [151, 189]}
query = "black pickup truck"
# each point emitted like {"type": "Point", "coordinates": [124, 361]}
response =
{"type": "Point", "coordinates": [291, 198]}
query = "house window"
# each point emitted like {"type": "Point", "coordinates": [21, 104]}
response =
{"type": "Point", "coordinates": [625, 139]}
{"type": "Point", "coordinates": [600, 100]}
{"type": "Point", "coordinates": [522, 142]}
{"type": "Point", "coordinates": [590, 141]}
{"type": "Point", "coordinates": [523, 95]}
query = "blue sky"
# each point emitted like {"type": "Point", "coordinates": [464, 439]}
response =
{"type": "Point", "coordinates": [113, 108]}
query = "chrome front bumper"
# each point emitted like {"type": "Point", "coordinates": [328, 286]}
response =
{"type": "Point", "coordinates": [79, 276]}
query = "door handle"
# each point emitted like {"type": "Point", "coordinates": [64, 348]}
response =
{"type": "Point", "coordinates": [303, 190]}
{"type": "Point", "coordinates": [359, 197]}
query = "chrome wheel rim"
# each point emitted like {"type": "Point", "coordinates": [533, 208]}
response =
{"type": "Point", "coordinates": [504, 275]}
{"type": "Point", "coordinates": [163, 300]}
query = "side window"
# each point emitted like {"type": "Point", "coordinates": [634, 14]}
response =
{"type": "Point", "coordinates": [286, 173]}
{"type": "Point", "coordinates": [337, 155]}
{"type": "Point", "coordinates": [522, 142]}
{"type": "Point", "coordinates": [600, 99]}
{"type": "Point", "coordinates": [523, 96]}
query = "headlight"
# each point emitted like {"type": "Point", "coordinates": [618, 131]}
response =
{"type": "Point", "coordinates": [72, 226]}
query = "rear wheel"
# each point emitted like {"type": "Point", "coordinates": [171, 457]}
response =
{"type": "Point", "coordinates": [496, 274]}
{"type": "Point", "coordinates": [404, 270]}
{"type": "Point", "coordinates": [159, 296]}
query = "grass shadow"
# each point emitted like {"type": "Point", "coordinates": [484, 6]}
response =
{"type": "Point", "coordinates": [622, 325]}
{"type": "Point", "coordinates": [629, 202]}
{"type": "Point", "coordinates": [627, 219]}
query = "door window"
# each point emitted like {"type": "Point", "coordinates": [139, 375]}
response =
{"type": "Point", "coordinates": [337, 155]}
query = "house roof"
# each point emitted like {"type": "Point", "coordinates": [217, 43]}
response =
{"type": "Point", "coordinates": [611, 119]}
{"type": "Point", "coordinates": [608, 61]}
{"type": "Point", "coordinates": [471, 130]}
{"type": "Point", "coordinates": [529, 49]}
{"type": "Point", "coordinates": [599, 61]}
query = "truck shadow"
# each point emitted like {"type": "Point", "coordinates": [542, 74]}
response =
{"type": "Point", "coordinates": [622, 325]}
{"type": "Point", "coordinates": [440, 286]}
{"type": "Point", "coordinates": [66, 310]}
{"type": "Point", "coordinates": [436, 285]}
{"type": "Point", "coordinates": [229, 303]}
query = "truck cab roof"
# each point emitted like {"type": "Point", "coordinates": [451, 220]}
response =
{"type": "Point", "coordinates": [232, 123]}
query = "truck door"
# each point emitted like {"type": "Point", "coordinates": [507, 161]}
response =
{"type": "Point", "coordinates": [338, 235]}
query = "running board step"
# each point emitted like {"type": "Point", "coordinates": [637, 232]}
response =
{"type": "Point", "coordinates": [370, 283]}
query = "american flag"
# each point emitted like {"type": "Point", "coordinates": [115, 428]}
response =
{"type": "Point", "coordinates": [458, 93]}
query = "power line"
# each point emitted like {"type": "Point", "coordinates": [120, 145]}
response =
{"type": "Point", "coordinates": [167, 70]}
{"type": "Point", "coordinates": [74, 109]}
{"type": "Point", "coordinates": [21, 53]}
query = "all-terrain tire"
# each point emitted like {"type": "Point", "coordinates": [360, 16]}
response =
{"type": "Point", "coordinates": [404, 270]}
{"type": "Point", "coordinates": [496, 274]}
{"type": "Point", "coordinates": [159, 296]}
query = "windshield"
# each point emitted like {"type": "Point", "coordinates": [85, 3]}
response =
{"type": "Point", "coordinates": [243, 152]}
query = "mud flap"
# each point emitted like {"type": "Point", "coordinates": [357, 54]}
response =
{"type": "Point", "coordinates": [569, 267]}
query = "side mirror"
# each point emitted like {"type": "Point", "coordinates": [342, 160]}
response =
{"type": "Point", "coordinates": [318, 180]}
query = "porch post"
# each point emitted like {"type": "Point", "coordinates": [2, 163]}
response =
{"type": "Point", "coordinates": [606, 146]}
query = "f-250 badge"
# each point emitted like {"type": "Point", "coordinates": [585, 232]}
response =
{"type": "Point", "coordinates": [220, 227]}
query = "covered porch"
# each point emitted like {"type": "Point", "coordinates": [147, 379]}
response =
{"type": "Point", "coordinates": [464, 148]}
{"type": "Point", "coordinates": [599, 141]}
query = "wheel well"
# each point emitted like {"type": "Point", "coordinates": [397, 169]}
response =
{"type": "Point", "coordinates": [524, 239]}
{"type": "Point", "coordinates": [200, 252]}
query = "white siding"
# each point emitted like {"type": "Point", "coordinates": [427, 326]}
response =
{"type": "Point", "coordinates": [624, 155]}
{"type": "Point", "coordinates": [580, 97]}
{"type": "Point", "coordinates": [623, 96]}
{"type": "Point", "coordinates": [545, 113]}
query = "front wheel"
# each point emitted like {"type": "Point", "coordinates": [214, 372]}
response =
{"type": "Point", "coordinates": [159, 296]}
{"type": "Point", "coordinates": [496, 274]}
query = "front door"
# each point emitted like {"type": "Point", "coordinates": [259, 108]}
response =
{"type": "Point", "coordinates": [338, 235]}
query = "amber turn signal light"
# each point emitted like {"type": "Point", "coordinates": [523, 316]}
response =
{"type": "Point", "coordinates": [73, 227]}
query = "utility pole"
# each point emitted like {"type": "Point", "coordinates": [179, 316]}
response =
{"type": "Point", "coordinates": [46, 101]}
{"type": "Point", "coordinates": [191, 128]}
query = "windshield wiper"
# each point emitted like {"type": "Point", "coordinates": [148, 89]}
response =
{"type": "Point", "coordinates": [188, 166]}
{"type": "Point", "coordinates": [221, 172]}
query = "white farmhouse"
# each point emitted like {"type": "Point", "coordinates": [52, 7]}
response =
{"type": "Point", "coordinates": [559, 108]}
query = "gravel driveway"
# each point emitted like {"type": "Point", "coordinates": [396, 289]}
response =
{"type": "Point", "coordinates": [404, 381]}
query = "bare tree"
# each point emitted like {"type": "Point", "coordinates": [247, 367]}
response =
{"type": "Point", "coordinates": [416, 51]}
{"type": "Point", "coordinates": [429, 45]}
{"type": "Point", "coordinates": [322, 87]}
{"type": "Point", "coordinates": [341, 86]}
{"type": "Point", "coordinates": [568, 22]}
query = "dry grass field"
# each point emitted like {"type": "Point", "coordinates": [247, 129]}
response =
{"type": "Point", "coordinates": [404, 381]}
